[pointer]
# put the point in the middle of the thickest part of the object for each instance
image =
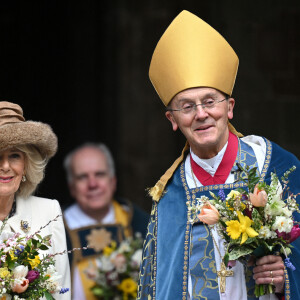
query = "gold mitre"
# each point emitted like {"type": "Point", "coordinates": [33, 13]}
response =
{"type": "Point", "coordinates": [192, 54]}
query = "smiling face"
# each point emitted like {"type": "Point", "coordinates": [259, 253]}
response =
{"type": "Point", "coordinates": [92, 184]}
{"type": "Point", "coordinates": [12, 166]}
{"type": "Point", "coordinates": [206, 130]}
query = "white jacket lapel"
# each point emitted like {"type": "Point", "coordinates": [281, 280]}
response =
{"type": "Point", "coordinates": [22, 220]}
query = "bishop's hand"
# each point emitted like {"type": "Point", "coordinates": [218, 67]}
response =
{"type": "Point", "coordinates": [270, 270]}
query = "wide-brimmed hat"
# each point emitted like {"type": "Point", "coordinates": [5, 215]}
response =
{"type": "Point", "coordinates": [15, 131]}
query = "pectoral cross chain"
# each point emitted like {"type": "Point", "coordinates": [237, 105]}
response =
{"type": "Point", "coordinates": [222, 274]}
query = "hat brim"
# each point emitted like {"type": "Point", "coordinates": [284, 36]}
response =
{"type": "Point", "coordinates": [29, 133]}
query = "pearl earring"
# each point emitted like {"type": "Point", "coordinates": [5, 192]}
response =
{"type": "Point", "coordinates": [23, 178]}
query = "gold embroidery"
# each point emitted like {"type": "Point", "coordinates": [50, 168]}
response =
{"type": "Point", "coordinates": [150, 257]}
{"type": "Point", "coordinates": [99, 239]}
{"type": "Point", "coordinates": [191, 196]}
{"type": "Point", "coordinates": [193, 192]}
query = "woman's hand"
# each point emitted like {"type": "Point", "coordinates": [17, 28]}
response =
{"type": "Point", "coordinates": [270, 270]}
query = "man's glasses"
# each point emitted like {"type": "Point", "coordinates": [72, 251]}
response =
{"type": "Point", "coordinates": [192, 107]}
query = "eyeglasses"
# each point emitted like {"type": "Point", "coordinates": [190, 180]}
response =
{"type": "Point", "coordinates": [191, 107]}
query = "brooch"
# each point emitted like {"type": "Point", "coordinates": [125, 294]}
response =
{"type": "Point", "coordinates": [25, 226]}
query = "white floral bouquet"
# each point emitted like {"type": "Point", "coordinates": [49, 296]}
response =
{"type": "Point", "coordinates": [25, 273]}
{"type": "Point", "coordinates": [117, 269]}
{"type": "Point", "coordinates": [254, 222]}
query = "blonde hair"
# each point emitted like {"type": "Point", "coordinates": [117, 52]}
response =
{"type": "Point", "coordinates": [35, 165]}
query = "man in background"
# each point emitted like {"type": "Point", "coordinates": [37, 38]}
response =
{"type": "Point", "coordinates": [92, 183]}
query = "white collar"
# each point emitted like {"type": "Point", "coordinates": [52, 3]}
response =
{"type": "Point", "coordinates": [76, 218]}
{"type": "Point", "coordinates": [210, 165]}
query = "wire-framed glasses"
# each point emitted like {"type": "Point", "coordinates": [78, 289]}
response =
{"type": "Point", "coordinates": [192, 107]}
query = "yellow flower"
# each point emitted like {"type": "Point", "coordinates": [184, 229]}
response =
{"type": "Point", "coordinates": [243, 226]}
{"type": "Point", "coordinates": [4, 273]}
{"type": "Point", "coordinates": [12, 255]}
{"type": "Point", "coordinates": [233, 194]}
{"type": "Point", "coordinates": [107, 251]}
{"type": "Point", "coordinates": [34, 262]}
{"type": "Point", "coordinates": [228, 205]}
{"type": "Point", "coordinates": [128, 286]}
{"type": "Point", "coordinates": [233, 229]}
{"type": "Point", "coordinates": [243, 206]}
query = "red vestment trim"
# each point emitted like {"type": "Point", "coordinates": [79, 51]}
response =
{"type": "Point", "coordinates": [224, 168]}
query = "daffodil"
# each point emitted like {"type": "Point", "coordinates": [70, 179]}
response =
{"type": "Point", "coordinates": [34, 262]}
{"type": "Point", "coordinates": [235, 228]}
{"type": "Point", "coordinates": [128, 286]}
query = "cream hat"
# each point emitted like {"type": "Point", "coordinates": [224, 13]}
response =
{"type": "Point", "coordinates": [190, 54]}
{"type": "Point", "coordinates": [14, 131]}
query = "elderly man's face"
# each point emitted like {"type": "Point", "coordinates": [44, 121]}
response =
{"type": "Point", "coordinates": [93, 186]}
{"type": "Point", "coordinates": [206, 129]}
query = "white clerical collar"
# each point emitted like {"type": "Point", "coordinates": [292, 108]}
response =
{"type": "Point", "coordinates": [110, 216]}
{"type": "Point", "coordinates": [76, 218]}
{"type": "Point", "coordinates": [210, 165]}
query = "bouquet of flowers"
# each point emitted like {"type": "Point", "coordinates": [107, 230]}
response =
{"type": "Point", "coordinates": [25, 273]}
{"type": "Point", "coordinates": [117, 269]}
{"type": "Point", "coordinates": [254, 221]}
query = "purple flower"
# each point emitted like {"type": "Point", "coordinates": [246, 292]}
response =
{"type": "Point", "coordinates": [295, 233]}
{"type": "Point", "coordinates": [63, 290]}
{"type": "Point", "coordinates": [248, 212]}
{"type": "Point", "coordinates": [288, 263]}
{"type": "Point", "coordinates": [32, 275]}
{"type": "Point", "coordinates": [19, 250]}
{"type": "Point", "coordinates": [291, 236]}
{"type": "Point", "coordinates": [285, 236]}
{"type": "Point", "coordinates": [221, 194]}
{"type": "Point", "coordinates": [244, 197]}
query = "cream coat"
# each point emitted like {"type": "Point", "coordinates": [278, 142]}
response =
{"type": "Point", "coordinates": [38, 212]}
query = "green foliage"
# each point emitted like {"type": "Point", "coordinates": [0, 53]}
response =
{"type": "Point", "coordinates": [21, 255]}
{"type": "Point", "coordinates": [251, 178]}
{"type": "Point", "coordinates": [254, 221]}
{"type": "Point", "coordinates": [48, 296]}
{"type": "Point", "coordinates": [240, 251]}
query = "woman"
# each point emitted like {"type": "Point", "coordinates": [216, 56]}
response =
{"type": "Point", "coordinates": [25, 149]}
